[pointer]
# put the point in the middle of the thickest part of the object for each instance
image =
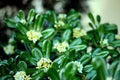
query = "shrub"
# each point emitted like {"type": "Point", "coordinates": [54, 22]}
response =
{"type": "Point", "coordinates": [56, 47]}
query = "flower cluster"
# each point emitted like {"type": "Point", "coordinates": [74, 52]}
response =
{"type": "Point", "coordinates": [33, 35]}
{"type": "Point", "coordinates": [44, 63]}
{"type": "Point", "coordinates": [79, 66]}
{"type": "Point", "coordinates": [21, 75]}
{"type": "Point", "coordinates": [9, 49]}
{"type": "Point", "coordinates": [59, 24]}
{"type": "Point", "coordinates": [104, 42]}
{"type": "Point", "coordinates": [61, 47]}
{"type": "Point", "coordinates": [78, 32]}
{"type": "Point", "coordinates": [62, 16]}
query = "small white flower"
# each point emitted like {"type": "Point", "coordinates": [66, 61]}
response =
{"type": "Point", "coordinates": [61, 47]}
{"type": "Point", "coordinates": [59, 24]}
{"type": "Point", "coordinates": [79, 66]}
{"type": "Point", "coordinates": [78, 32]}
{"type": "Point", "coordinates": [9, 49]}
{"type": "Point", "coordinates": [62, 16]}
{"type": "Point", "coordinates": [117, 37]}
{"type": "Point", "coordinates": [89, 49]}
{"type": "Point", "coordinates": [21, 75]}
{"type": "Point", "coordinates": [33, 35]}
{"type": "Point", "coordinates": [104, 42]}
{"type": "Point", "coordinates": [44, 63]}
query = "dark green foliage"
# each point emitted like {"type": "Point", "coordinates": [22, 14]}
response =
{"type": "Point", "coordinates": [72, 55]}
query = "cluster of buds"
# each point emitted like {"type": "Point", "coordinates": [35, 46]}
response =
{"type": "Point", "coordinates": [21, 75]}
{"type": "Point", "coordinates": [78, 32]}
{"type": "Point", "coordinates": [62, 16]}
{"type": "Point", "coordinates": [9, 49]}
{"type": "Point", "coordinates": [104, 42]}
{"type": "Point", "coordinates": [60, 23]}
{"type": "Point", "coordinates": [33, 35]}
{"type": "Point", "coordinates": [79, 66]}
{"type": "Point", "coordinates": [61, 47]}
{"type": "Point", "coordinates": [44, 63]}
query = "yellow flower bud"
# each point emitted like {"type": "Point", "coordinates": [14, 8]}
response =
{"type": "Point", "coordinates": [77, 32]}
{"type": "Point", "coordinates": [33, 35]}
{"type": "Point", "coordinates": [59, 24]}
{"type": "Point", "coordinates": [9, 49]}
{"type": "Point", "coordinates": [21, 75]}
{"type": "Point", "coordinates": [61, 47]}
{"type": "Point", "coordinates": [44, 63]}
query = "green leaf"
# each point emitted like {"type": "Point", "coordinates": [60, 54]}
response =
{"type": "Point", "coordinates": [69, 72]}
{"type": "Point", "coordinates": [33, 61]}
{"type": "Point", "coordinates": [98, 19]}
{"type": "Point", "coordinates": [85, 59]}
{"type": "Point", "coordinates": [47, 33]}
{"type": "Point", "coordinates": [37, 53]}
{"type": "Point", "coordinates": [25, 56]}
{"type": "Point", "coordinates": [38, 74]}
{"type": "Point", "coordinates": [47, 46]}
{"type": "Point", "coordinates": [100, 67]}
{"type": "Point", "coordinates": [73, 17]}
{"type": "Point", "coordinates": [115, 70]}
{"type": "Point", "coordinates": [96, 51]}
{"type": "Point", "coordinates": [102, 54]}
{"type": "Point", "coordinates": [10, 60]}
{"type": "Point", "coordinates": [4, 62]}
{"type": "Point", "coordinates": [6, 77]}
{"type": "Point", "coordinates": [110, 37]}
{"type": "Point", "coordinates": [76, 42]}
{"type": "Point", "coordinates": [22, 66]}
{"type": "Point", "coordinates": [38, 22]}
{"type": "Point", "coordinates": [10, 23]}
{"type": "Point", "coordinates": [21, 28]}
{"type": "Point", "coordinates": [53, 74]}
{"type": "Point", "coordinates": [88, 68]}
{"type": "Point", "coordinates": [91, 25]}
{"type": "Point", "coordinates": [61, 61]}
{"type": "Point", "coordinates": [91, 75]}
{"type": "Point", "coordinates": [91, 17]}
{"type": "Point", "coordinates": [78, 47]}
{"type": "Point", "coordinates": [51, 16]}
{"type": "Point", "coordinates": [21, 14]}
{"type": "Point", "coordinates": [115, 43]}
{"type": "Point", "coordinates": [66, 35]}
{"type": "Point", "coordinates": [110, 27]}
{"type": "Point", "coordinates": [31, 15]}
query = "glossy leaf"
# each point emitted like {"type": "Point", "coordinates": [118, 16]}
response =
{"type": "Point", "coordinates": [85, 59]}
{"type": "Point", "coordinates": [91, 17]}
{"type": "Point", "coordinates": [100, 67]}
{"type": "Point", "coordinates": [31, 15]}
{"type": "Point", "coordinates": [47, 33]}
{"type": "Point", "coordinates": [47, 46]}
{"type": "Point", "coordinates": [66, 35]}
{"type": "Point", "coordinates": [22, 66]}
{"type": "Point", "coordinates": [37, 53]}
